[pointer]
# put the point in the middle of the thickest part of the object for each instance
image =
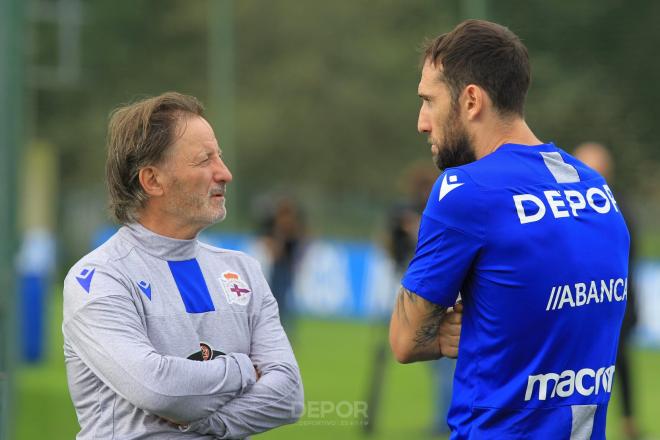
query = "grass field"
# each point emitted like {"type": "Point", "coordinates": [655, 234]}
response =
{"type": "Point", "coordinates": [335, 361]}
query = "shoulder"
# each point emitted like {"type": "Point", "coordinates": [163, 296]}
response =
{"type": "Point", "coordinates": [101, 258]}
{"type": "Point", "coordinates": [457, 201]}
{"type": "Point", "coordinates": [96, 275]}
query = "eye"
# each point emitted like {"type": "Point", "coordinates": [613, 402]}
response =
{"type": "Point", "coordinates": [204, 160]}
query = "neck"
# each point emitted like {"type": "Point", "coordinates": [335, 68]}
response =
{"type": "Point", "coordinates": [165, 225]}
{"type": "Point", "coordinates": [500, 132]}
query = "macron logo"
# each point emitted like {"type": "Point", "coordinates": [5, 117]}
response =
{"type": "Point", "coordinates": [586, 382]}
{"type": "Point", "coordinates": [85, 278]}
{"type": "Point", "coordinates": [145, 288]}
{"type": "Point", "coordinates": [448, 187]}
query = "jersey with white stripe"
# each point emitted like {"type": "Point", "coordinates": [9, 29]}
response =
{"type": "Point", "coordinates": [534, 242]}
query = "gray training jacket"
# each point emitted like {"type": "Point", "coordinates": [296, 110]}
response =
{"type": "Point", "coordinates": [160, 332]}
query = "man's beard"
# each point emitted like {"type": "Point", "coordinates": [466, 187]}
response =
{"type": "Point", "coordinates": [197, 208]}
{"type": "Point", "coordinates": [456, 148]}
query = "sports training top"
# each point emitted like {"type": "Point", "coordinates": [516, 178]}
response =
{"type": "Point", "coordinates": [141, 312]}
{"type": "Point", "coordinates": [534, 242]}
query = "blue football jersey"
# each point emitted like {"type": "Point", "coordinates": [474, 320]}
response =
{"type": "Point", "coordinates": [534, 242]}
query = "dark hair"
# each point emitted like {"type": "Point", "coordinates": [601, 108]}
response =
{"type": "Point", "coordinates": [139, 135]}
{"type": "Point", "coordinates": [485, 54]}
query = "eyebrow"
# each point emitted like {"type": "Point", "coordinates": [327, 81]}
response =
{"type": "Point", "coordinates": [424, 96]}
{"type": "Point", "coordinates": [211, 150]}
{"type": "Point", "coordinates": [203, 154]}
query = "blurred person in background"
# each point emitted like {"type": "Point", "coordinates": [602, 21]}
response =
{"type": "Point", "coordinates": [403, 219]}
{"type": "Point", "coordinates": [515, 226]}
{"type": "Point", "coordinates": [283, 236]}
{"type": "Point", "coordinates": [598, 157]}
{"type": "Point", "coordinates": [404, 225]}
{"type": "Point", "coordinates": [400, 240]}
{"type": "Point", "coordinates": [164, 336]}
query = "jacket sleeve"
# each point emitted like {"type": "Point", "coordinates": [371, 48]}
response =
{"type": "Point", "coordinates": [277, 397]}
{"type": "Point", "coordinates": [108, 335]}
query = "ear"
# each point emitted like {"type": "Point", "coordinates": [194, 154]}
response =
{"type": "Point", "coordinates": [474, 101]}
{"type": "Point", "coordinates": [151, 181]}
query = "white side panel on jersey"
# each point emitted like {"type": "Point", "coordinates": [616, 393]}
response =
{"type": "Point", "coordinates": [562, 172]}
{"type": "Point", "coordinates": [582, 421]}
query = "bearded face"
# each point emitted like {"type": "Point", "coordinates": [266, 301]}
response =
{"type": "Point", "coordinates": [454, 148]}
{"type": "Point", "coordinates": [440, 118]}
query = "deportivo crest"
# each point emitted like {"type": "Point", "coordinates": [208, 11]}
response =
{"type": "Point", "coordinates": [236, 290]}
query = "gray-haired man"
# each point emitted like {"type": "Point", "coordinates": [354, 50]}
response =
{"type": "Point", "coordinates": [143, 309]}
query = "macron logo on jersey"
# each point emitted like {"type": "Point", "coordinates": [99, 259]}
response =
{"type": "Point", "coordinates": [447, 187]}
{"type": "Point", "coordinates": [85, 278]}
{"type": "Point", "coordinates": [586, 382]}
{"type": "Point", "coordinates": [145, 287]}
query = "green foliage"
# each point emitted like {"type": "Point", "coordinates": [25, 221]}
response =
{"type": "Point", "coordinates": [328, 93]}
{"type": "Point", "coordinates": [325, 93]}
{"type": "Point", "coordinates": [593, 76]}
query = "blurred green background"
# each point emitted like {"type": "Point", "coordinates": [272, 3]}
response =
{"type": "Point", "coordinates": [317, 99]}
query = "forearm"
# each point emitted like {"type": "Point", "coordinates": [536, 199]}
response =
{"type": "Point", "coordinates": [414, 335]}
{"type": "Point", "coordinates": [420, 329]}
{"type": "Point", "coordinates": [114, 346]}
{"type": "Point", "coordinates": [275, 400]}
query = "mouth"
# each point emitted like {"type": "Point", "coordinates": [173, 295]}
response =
{"type": "Point", "coordinates": [217, 192]}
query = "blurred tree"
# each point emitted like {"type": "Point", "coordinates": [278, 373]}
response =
{"type": "Point", "coordinates": [326, 91]}
{"type": "Point", "coordinates": [129, 50]}
{"type": "Point", "coordinates": [593, 74]}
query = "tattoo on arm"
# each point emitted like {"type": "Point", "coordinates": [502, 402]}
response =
{"type": "Point", "coordinates": [401, 302]}
{"type": "Point", "coordinates": [430, 325]}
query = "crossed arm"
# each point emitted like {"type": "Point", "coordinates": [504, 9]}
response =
{"type": "Point", "coordinates": [221, 397]}
{"type": "Point", "coordinates": [275, 399]}
{"type": "Point", "coordinates": [110, 338]}
{"type": "Point", "coordinates": [421, 330]}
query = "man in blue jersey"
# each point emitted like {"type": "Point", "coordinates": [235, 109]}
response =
{"type": "Point", "coordinates": [529, 237]}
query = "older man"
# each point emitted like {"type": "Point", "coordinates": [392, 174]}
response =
{"type": "Point", "coordinates": [531, 238]}
{"type": "Point", "coordinates": [142, 310]}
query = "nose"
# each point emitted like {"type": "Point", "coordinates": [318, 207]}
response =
{"type": "Point", "coordinates": [423, 121]}
{"type": "Point", "coordinates": [221, 172]}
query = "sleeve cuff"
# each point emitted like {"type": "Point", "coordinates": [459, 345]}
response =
{"type": "Point", "coordinates": [248, 374]}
